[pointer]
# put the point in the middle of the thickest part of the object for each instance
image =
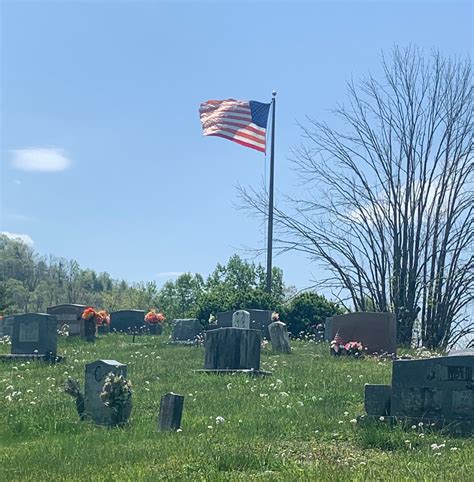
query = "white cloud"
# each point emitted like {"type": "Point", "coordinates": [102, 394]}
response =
{"type": "Point", "coordinates": [17, 182]}
{"type": "Point", "coordinates": [24, 238]}
{"type": "Point", "coordinates": [169, 274]}
{"type": "Point", "coordinates": [45, 159]}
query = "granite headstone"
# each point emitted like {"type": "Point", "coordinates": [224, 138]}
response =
{"type": "Point", "coordinates": [186, 330]}
{"type": "Point", "coordinates": [96, 373]}
{"type": "Point", "coordinates": [34, 333]}
{"type": "Point", "coordinates": [241, 319]}
{"type": "Point", "coordinates": [279, 337]}
{"type": "Point", "coordinates": [69, 314]}
{"type": "Point", "coordinates": [376, 331]}
{"type": "Point", "coordinates": [127, 321]}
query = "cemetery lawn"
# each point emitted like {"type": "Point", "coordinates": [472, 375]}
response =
{"type": "Point", "coordinates": [295, 425]}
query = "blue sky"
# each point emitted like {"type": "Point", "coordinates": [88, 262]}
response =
{"type": "Point", "coordinates": [105, 95]}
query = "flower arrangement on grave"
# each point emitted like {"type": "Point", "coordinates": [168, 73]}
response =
{"type": "Point", "coordinates": [354, 348]}
{"type": "Point", "coordinates": [102, 318]}
{"type": "Point", "coordinates": [116, 394]}
{"type": "Point", "coordinates": [351, 348]}
{"type": "Point", "coordinates": [212, 319]}
{"type": "Point", "coordinates": [90, 317]}
{"type": "Point", "coordinates": [275, 316]}
{"type": "Point", "coordinates": [154, 318]}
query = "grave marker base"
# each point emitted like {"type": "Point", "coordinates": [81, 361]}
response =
{"type": "Point", "coordinates": [229, 371]}
{"type": "Point", "coordinates": [464, 428]}
{"type": "Point", "coordinates": [50, 357]}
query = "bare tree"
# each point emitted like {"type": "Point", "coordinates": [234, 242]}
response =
{"type": "Point", "coordinates": [388, 210]}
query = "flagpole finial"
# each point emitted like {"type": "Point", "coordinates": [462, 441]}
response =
{"type": "Point", "coordinates": [274, 93]}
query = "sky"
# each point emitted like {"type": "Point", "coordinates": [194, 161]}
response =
{"type": "Point", "coordinates": [102, 155]}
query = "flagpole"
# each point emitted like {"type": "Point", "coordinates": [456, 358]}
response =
{"type": "Point", "coordinates": [270, 201]}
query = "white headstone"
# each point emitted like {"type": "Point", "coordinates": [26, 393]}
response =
{"type": "Point", "coordinates": [241, 319]}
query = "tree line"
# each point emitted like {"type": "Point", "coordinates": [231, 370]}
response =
{"type": "Point", "coordinates": [30, 283]}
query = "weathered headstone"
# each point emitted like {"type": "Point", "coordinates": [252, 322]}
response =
{"type": "Point", "coordinates": [377, 399]}
{"type": "Point", "coordinates": [232, 349]}
{"type": "Point", "coordinates": [241, 319]}
{"type": "Point", "coordinates": [69, 314]}
{"type": "Point", "coordinates": [279, 337]}
{"type": "Point", "coordinates": [259, 320]}
{"type": "Point", "coordinates": [171, 411]}
{"type": "Point", "coordinates": [186, 330]}
{"type": "Point", "coordinates": [96, 373]}
{"type": "Point", "coordinates": [127, 321]}
{"type": "Point", "coordinates": [441, 387]}
{"type": "Point", "coordinates": [376, 331]}
{"type": "Point", "coordinates": [34, 333]}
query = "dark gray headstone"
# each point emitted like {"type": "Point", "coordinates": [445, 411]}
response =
{"type": "Point", "coordinates": [279, 337]}
{"type": "Point", "coordinates": [378, 399]}
{"type": "Point", "coordinates": [376, 331]}
{"type": "Point", "coordinates": [259, 320]}
{"type": "Point", "coordinates": [171, 411]}
{"type": "Point", "coordinates": [69, 314]}
{"type": "Point", "coordinates": [127, 321]}
{"type": "Point", "coordinates": [34, 333]}
{"type": "Point", "coordinates": [233, 348]}
{"type": "Point", "coordinates": [96, 372]}
{"type": "Point", "coordinates": [186, 330]}
{"type": "Point", "coordinates": [438, 388]}
{"type": "Point", "coordinates": [7, 325]}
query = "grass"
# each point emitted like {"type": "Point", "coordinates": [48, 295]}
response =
{"type": "Point", "coordinates": [295, 425]}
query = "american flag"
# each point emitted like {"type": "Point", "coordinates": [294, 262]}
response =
{"type": "Point", "coordinates": [241, 121]}
{"type": "Point", "coordinates": [338, 339]}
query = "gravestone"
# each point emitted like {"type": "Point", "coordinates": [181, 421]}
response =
{"type": "Point", "coordinates": [377, 399]}
{"type": "Point", "coordinates": [7, 325]}
{"type": "Point", "coordinates": [279, 337]}
{"type": "Point", "coordinates": [96, 373]}
{"type": "Point", "coordinates": [69, 314]}
{"type": "Point", "coordinates": [438, 388]}
{"type": "Point", "coordinates": [127, 321]}
{"type": "Point", "coordinates": [232, 349]}
{"type": "Point", "coordinates": [34, 334]}
{"type": "Point", "coordinates": [259, 320]}
{"type": "Point", "coordinates": [241, 319]}
{"type": "Point", "coordinates": [376, 331]}
{"type": "Point", "coordinates": [171, 411]}
{"type": "Point", "coordinates": [186, 330]}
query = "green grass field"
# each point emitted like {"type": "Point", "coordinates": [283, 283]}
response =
{"type": "Point", "coordinates": [295, 425]}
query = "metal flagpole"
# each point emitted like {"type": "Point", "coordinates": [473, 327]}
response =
{"type": "Point", "coordinates": [270, 201]}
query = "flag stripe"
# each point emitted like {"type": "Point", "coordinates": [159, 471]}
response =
{"type": "Point", "coordinates": [239, 132]}
{"type": "Point", "coordinates": [232, 119]}
{"type": "Point", "coordinates": [243, 143]}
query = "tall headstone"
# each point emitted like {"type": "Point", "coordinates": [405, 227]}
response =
{"type": "Point", "coordinates": [127, 321]}
{"type": "Point", "coordinates": [232, 349]}
{"type": "Point", "coordinates": [69, 314]}
{"type": "Point", "coordinates": [259, 320]}
{"type": "Point", "coordinates": [376, 331]}
{"type": "Point", "coordinates": [34, 333]}
{"type": "Point", "coordinates": [96, 373]}
{"type": "Point", "coordinates": [186, 330]}
{"type": "Point", "coordinates": [279, 337]}
{"type": "Point", "coordinates": [171, 411]}
{"type": "Point", "coordinates": [241, 319]}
